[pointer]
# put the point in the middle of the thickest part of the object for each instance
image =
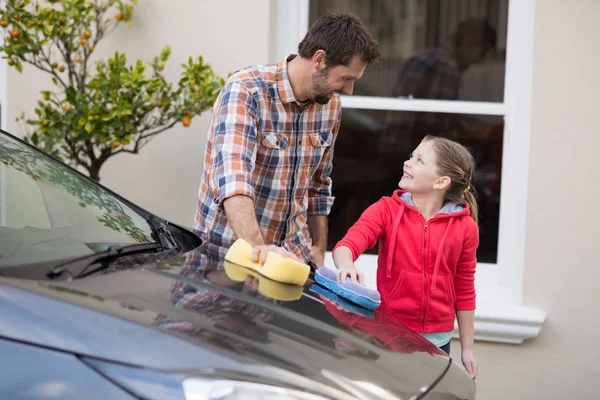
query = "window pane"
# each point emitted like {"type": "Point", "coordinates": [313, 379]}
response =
{"type": "Point", "coordinates": [372, 146]}
{"type": "Point", "coordinates": [432, 49]}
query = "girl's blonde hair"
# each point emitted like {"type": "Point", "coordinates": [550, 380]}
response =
{"type": "Point", "coordinates": [456, 162]}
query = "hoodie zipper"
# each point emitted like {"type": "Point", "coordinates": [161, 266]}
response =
{"type": "Point", "coordinates": [425, 302]}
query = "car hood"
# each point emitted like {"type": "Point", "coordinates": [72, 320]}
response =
{"type": "Point", "coordinates": [195, 312]}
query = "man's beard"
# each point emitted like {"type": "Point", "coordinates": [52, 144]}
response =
{"type": "Point", "coordinates": [323, 98]}
{"type": "Point", "coordinates": [318, 81]}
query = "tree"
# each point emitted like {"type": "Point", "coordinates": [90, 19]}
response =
{"type": "Point", "coordinates": [102, 109]}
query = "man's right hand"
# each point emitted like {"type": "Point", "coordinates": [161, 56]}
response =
{"type": "Point", "coordinates": [259, 253]}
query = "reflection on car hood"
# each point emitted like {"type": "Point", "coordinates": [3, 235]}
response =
{"type": "Point", "coordinates": [223, 316]}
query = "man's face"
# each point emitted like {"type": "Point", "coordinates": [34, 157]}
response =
{"type": "Point", "coordinates": [338, 79]}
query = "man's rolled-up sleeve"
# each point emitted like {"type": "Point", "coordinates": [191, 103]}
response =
{"type": "Point", "coordinates": [320, 198]}
{"type": "Point", "coordinates": [234, 143]}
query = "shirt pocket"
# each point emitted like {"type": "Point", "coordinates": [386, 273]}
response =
{"type": "Point", "coordinates": [274, 140]}
{"type": "Point", "coordinates": [271, 154]}
{"type": "Point", "coordinates": [319, 143]}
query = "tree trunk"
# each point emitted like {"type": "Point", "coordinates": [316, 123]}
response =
{"type": "Point", "coordinates": [94, 172]}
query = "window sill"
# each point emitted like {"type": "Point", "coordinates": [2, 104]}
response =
{"type": "Point", "coordinates": [506, 323]}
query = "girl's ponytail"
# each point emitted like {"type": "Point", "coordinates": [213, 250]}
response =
{"type": "Point", "coordinates": [472, 201]}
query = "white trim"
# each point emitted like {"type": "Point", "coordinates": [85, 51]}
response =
{"type": "Point", "coordinates": [441, 106]}
{"type": "Point", "coordinates": [500, 315]}
{"type": "Point", "coordinates": [497, 322]}
{"type": "Point", "coordinates": [515, 162]}
{"type": "Point", "coordinates": [291, 25]}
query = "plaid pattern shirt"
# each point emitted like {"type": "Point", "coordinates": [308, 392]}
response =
{"type": "Point", "coordinates": [264, 144]}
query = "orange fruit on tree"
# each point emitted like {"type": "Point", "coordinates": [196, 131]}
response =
{"type": "Point", "coordinates": [15, 33]}
{"type": "Point", "coordinates": [186, 122]}
{"type": "Point", "coordinates": [87, 34]}
{"type": "Point", "coordinates": [3, 23]}
{"type": "Point", "coordinates": [68, 108]}
{"type": "Point", "coordinates": [61, 68]}
{"type": "Point", "coordinates": [118, 16]}
{"type": "Point", "coordinates": [83, 41]}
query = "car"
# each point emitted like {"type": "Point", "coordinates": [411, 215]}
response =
{"type": "Point", "coordinates": [101, 299]}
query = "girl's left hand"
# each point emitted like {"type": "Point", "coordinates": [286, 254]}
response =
{"type": "Point", "coordinates": [468, 360]}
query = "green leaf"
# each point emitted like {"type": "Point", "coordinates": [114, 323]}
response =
{"type": "Point", "coordinates": [81, 122]}
{"type": "Point", "coordinates": [89, 127]}
{"type": "Point", "coordinates": [72, 95]}
{"type": "Point", "coordinates": [165, 53]}
{"type": "Point", "coordinates": [19, 67]}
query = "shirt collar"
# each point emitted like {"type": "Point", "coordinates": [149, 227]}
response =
{"type": "Point", "coordinates": [284, 87]}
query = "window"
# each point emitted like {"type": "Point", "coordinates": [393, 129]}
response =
{"type": "Point", "coordinates": [444, 50]}
{"type": "Point", "coordinates": [486, 105]}
{"type": "Point", "coordinates": [373, 144]}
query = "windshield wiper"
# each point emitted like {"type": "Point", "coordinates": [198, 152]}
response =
{"type": "Point", "coordinates": [82, 266]}
{"type": "Point", "coordinates": [161, 235]}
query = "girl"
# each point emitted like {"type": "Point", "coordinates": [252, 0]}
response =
{"type": "Point", "coordinates": [428, 238]}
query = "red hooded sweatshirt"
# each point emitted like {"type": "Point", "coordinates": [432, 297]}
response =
{"type": "Point", "coordinates": [425, 269]}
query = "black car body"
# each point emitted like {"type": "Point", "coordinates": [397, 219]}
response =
{"type": "Point", "coordinates": [101, 299]}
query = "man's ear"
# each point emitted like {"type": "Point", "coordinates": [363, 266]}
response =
{"type": "Point", "coordinates": [443, 183]}
{"type": "Point", "coordinates": [319, 60]}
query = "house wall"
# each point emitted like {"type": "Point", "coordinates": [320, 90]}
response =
{"type": "Point", "coordinates": [229, 34]}
{"type": "Point", "coordinates": [563, 224]}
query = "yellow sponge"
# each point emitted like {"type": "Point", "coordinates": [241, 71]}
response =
{"type": "Point", "coordinates": [276, 266]}
{"type": "Point", "coordinates": [266, 286]}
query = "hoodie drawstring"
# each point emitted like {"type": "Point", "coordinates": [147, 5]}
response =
{"type": "Point", "coordinates": [388, 269]}
{"type": "Point", "coordinates": [439, 255]}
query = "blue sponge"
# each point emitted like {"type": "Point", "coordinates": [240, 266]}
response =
{"type": "Point", "coordinates": [341, 303]}
{"type": "Point", "coordinates": [355, 292]}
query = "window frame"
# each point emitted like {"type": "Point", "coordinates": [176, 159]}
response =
{"type": "Point", "coordinates": [500, 315]}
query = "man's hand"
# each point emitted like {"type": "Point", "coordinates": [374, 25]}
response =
{"type": "Point", "coordinates": [259, 253]}
{"type": "Point", "coordinates": [317, 225]}
{"type": "Point", "coordinates": [317, 256]}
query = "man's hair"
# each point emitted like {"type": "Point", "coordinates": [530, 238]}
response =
{"type": "Point", "coordinates": [341, 36]}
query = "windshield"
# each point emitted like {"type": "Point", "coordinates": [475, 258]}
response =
{"type": "Point", "coordinates": [48, 213]}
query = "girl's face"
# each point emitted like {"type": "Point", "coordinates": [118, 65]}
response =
{"type": "Point", "coordinates": [421, 173]}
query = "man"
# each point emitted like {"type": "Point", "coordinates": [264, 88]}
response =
{"type": "Point", "coordinates": [266, 175]}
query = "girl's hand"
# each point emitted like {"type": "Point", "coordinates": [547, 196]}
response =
{"type": "Point", "coordinates": [468, 360]}
{"type": "Point", "coordinates": [352, 272]}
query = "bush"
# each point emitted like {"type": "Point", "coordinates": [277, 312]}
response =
{"type": "Point", "coordinates": [101, 110]}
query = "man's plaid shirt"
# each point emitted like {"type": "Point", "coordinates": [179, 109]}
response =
{"type": "Point", "coordinates": [264, 144]}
